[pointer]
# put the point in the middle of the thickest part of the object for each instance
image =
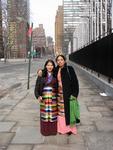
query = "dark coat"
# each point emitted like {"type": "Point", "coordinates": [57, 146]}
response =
{"type": "Point", "coordinates": [70, 87]}
{"type": "Point", "coordinates": [40, 83]}
{"type": "Point", "coordinates": [39, 86]}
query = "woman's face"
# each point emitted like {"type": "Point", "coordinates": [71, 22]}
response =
{"type": "Point", "coordinates": [49, 67]}
{"type": "Point", "coordinates": [60, 61]}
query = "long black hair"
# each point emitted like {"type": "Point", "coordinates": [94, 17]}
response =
{"type": "Point", "coordinates": [44, 71]}
{"type": "Point", "coordinates": [60, 55]}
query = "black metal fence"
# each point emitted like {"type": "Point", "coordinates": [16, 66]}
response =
{"type": "Point", "coordinates": [97, 56]}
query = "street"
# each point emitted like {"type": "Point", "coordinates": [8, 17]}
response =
{"type": "Point", "coordinates": [14, 73]}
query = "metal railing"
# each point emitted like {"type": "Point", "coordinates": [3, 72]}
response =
{"type": "Point", "coordinates": [97, 56]}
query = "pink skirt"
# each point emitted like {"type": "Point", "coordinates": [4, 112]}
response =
{"type": "Point", "coordinates": [63, 128]}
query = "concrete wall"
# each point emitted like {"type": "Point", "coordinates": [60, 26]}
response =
{"type": "Point", "coordinates": [101, 83]}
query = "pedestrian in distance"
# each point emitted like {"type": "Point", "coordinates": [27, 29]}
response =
{"type": "Point", "coordinates": [66, 88]}
{"type": "Point", "coordinates": [46, 92]}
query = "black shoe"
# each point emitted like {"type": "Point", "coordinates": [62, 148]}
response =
{"type": "Point", "coordinates": [69, 133]}
{"type": "Point", "coordinates": [77, 121]}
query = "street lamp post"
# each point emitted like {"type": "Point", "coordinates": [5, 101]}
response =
{"type": "Point", "coordinates": [29, 52]}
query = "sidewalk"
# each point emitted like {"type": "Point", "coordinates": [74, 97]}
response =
{"type": "Point", "coordinates": [20, 122]}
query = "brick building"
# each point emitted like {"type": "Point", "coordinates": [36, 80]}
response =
{"type": "Point", "coordinates": [39, 39]}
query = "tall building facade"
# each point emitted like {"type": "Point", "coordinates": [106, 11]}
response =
{"type": "Point", "coordinates": [49, 45]}
{"type": "Point", "coordinates": [86, 21]}
{"type": "Point", "coordinates": [18, 16]}
{"type": "Point", "coordinates": [1, 37]}
{"type": "Point", "coordinates": [39, 39]}
{"type": "Point", "coordinates": [59, 30]}
{"type": "Point", "coordinates": [76, 24]}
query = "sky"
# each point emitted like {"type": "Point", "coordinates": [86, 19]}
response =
{"type": "Point", "coordinates": [43, 12]}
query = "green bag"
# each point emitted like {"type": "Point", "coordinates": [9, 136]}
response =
{"type": "Point", "coordinates": [74, 110]}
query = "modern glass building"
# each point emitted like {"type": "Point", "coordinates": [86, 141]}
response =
{"type": "Point", "coordinates": [76, 15]}
{"type": "Point", "coordinates": [85, 21]}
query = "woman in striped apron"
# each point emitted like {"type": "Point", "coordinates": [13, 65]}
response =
{"type": "Point", "coordinates": [45, 91]}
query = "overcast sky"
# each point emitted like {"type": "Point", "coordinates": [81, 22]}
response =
{"type": "Point", "coordinates": [43, 12]}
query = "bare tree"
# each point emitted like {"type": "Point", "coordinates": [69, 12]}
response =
{"type": "Point", "coordinates": [6, 33]}
{"type": "Point", "coordinates": [1, 36]}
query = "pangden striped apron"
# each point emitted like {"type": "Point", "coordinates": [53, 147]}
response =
{"type": "Point", "coordinates": [48, 111]}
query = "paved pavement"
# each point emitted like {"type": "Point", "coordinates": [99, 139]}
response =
{"type": "Point", "coordinates": [20, 126]}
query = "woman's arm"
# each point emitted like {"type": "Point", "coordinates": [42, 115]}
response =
{"type": "Point", "coordinates": [37, 87]}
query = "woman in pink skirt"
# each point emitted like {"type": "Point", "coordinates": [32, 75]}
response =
{"type": "Point", "coordinates": [66, 88]}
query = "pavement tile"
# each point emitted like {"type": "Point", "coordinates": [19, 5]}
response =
{"type": "Point", "coordinates": [95, 103]}
{"type": "Point", "coordinates": [98, 98]}
{"type": "Point", "coordinates": [5, 138]}
{"type": "Point", "coordinates": [59, 147]}
{"type": "Point", "coordinates": [29, 123]}
{"type": "Point", "coordinates": [109, 103]}
{"type": "Point", "coordinates": [107, 114]}
{"type": "Point", "coordinates": [3, 147]}
{"type": "Point", "coordinates": [57, 139]}
{"type": "Point", "coordinates": [76, 139]}
{"type": "Point", "coordinates": [86, 128]}
{"type": "Point", "coordinates": [6, 106]}
{"type": "Point", "coordinates": [105, 124]}
{"type": "Point", "coordinates": [19, 147]}
{"type": "Point", "coordinates": [91, 115]}
{"type": "Point", "coordinates": [6, 126]}
{"type": "Point", "coordinates": [83, 107]}
{"type": "Point", "coordinates": [99, 141]}
{"type": "Point", "coordinates": [4, 111]}
{"type": "Point", "coordinates": [21, 114]}
{"type": "Point", "coordinates": [86, 121]}
{"type": "Point", "coordinates": [98, 108]}
{"type": "Point", "coordinates": [28, 135]}
{"type": "Point", "coordinates": [64, 139]}
{"type": "Point", "coordinates": [88, 91]}
{"type": "Point", "coordinates": [10, 101]}
{"type": "Point", "coordinates": [2, 117]}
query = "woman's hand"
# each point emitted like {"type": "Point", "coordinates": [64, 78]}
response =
{"type": "Point", "coordinates": [39, 72]}
{"type": "Point", "coordinates": [39, 99]}
{"type": "Point", "coordinates": [73, 97]}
